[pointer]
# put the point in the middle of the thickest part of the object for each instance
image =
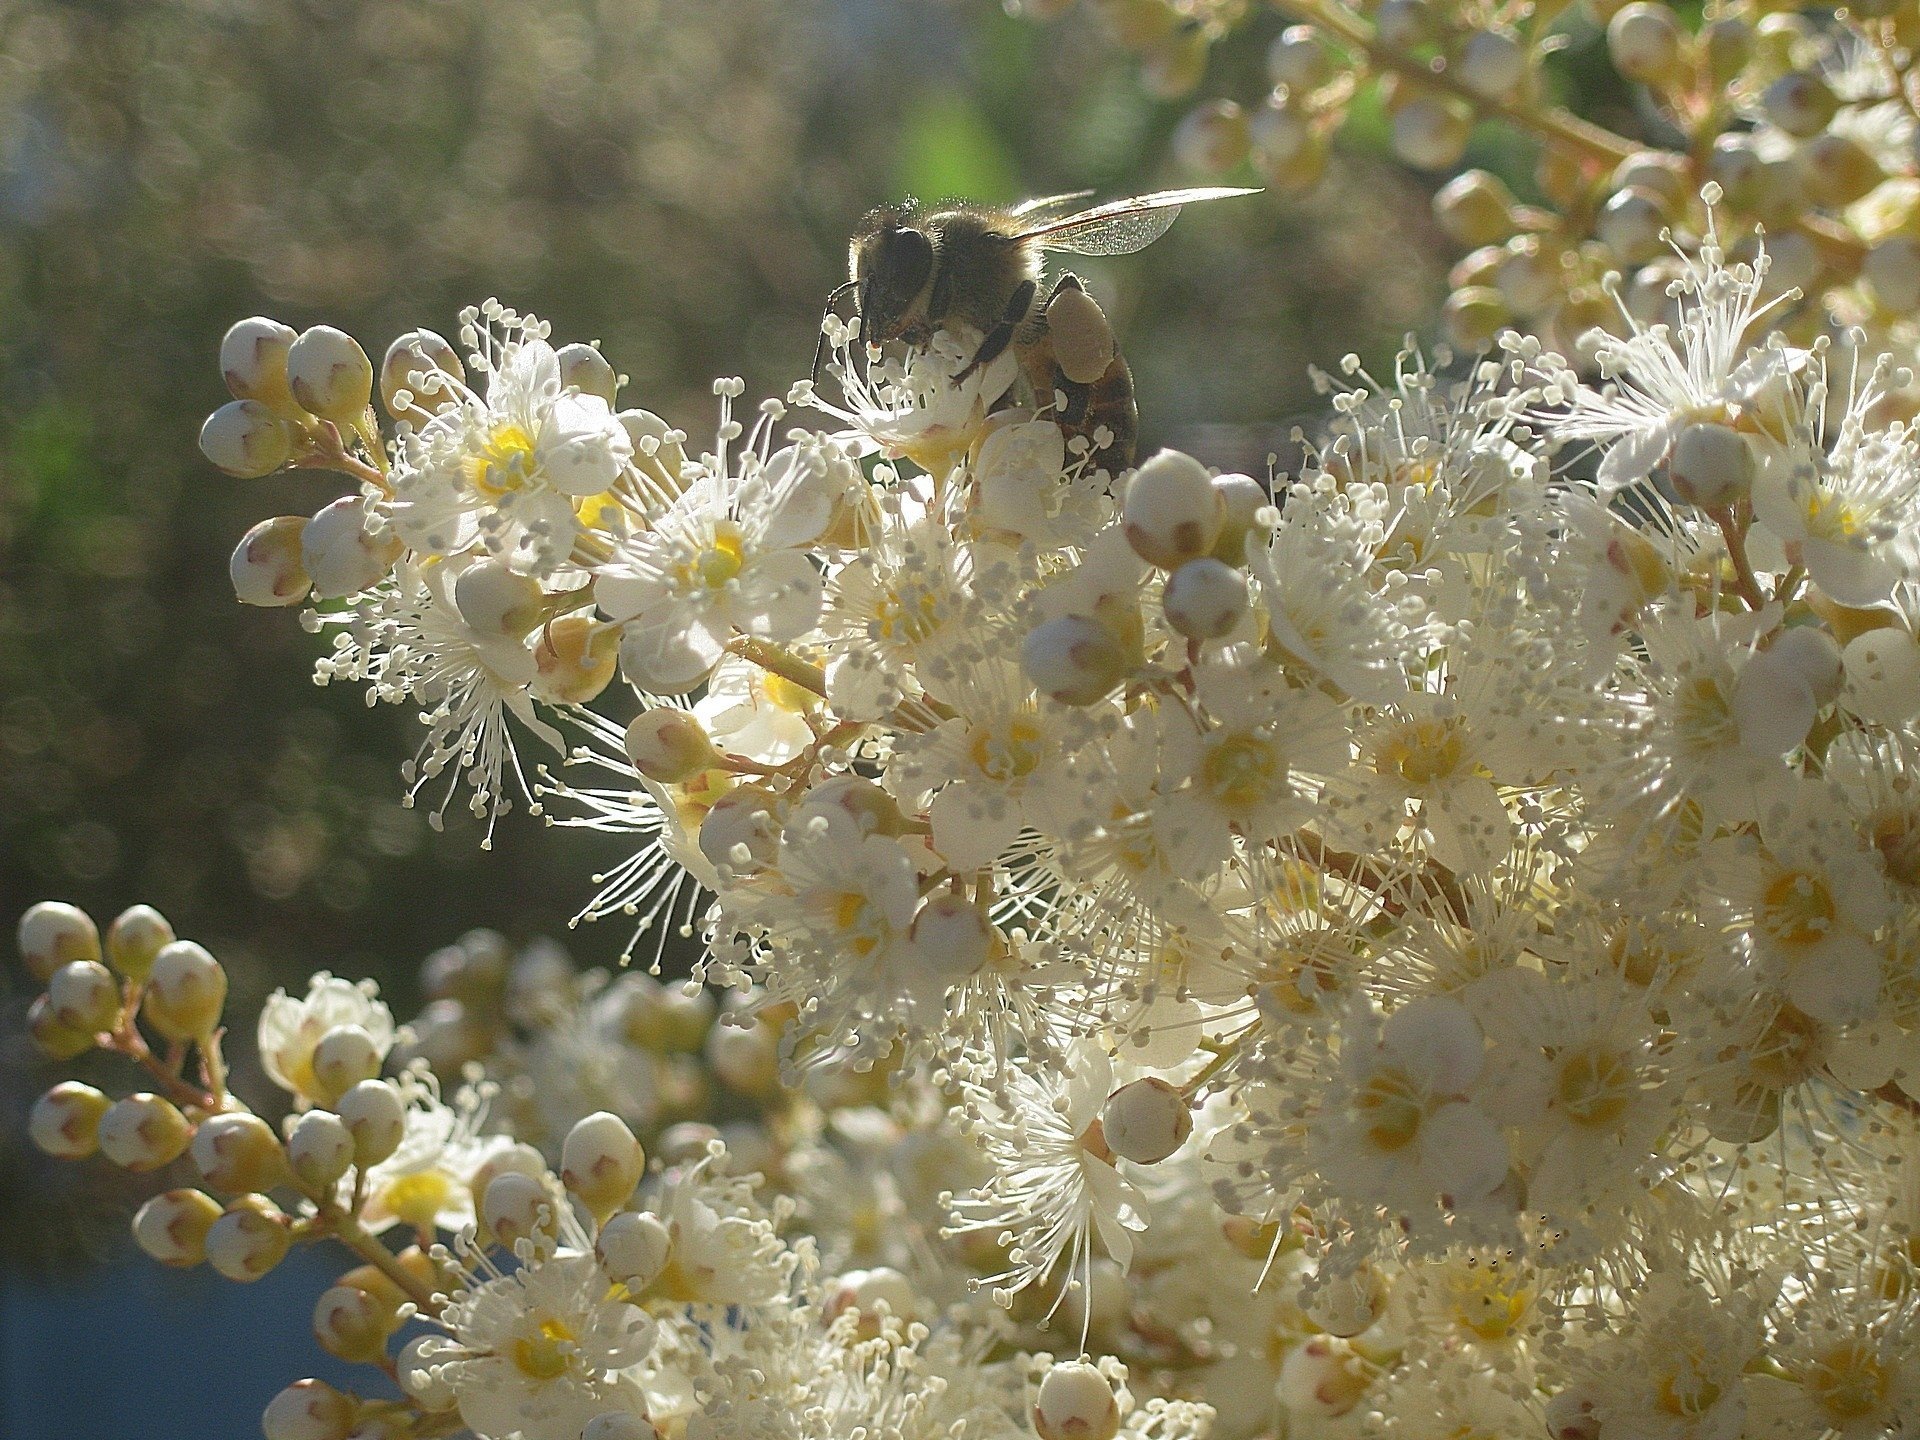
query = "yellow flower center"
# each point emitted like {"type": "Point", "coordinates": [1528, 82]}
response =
{"type": "Point", "coordinates": [1006, 752]}
{"type": "Point", "coordinates": [1797, 908]}
{"type": "Point", "coordinates": [1848, 1380]}
{"type": "Point", "coordinates": [1595, 1087]}
{"type": "Point", "coordinates": [1896, 835]}
{"type": "Point", "coordinates": [546, 1353]}
{"type": "Point", "coordinates": [721, 561]}
{"type": "Point", "coordinates": [1241, 771]}
{"type": "Point", "coordinates": [1488, 1303]}
{"type": "Point", "coordinates": [1703, 715]}
{"type": "Point", "coordinates": [1788, 1051]}
{"type": "Point", "coordinates": [1391, 1107]}
{"type": "Point", "coordinates": [503, 463]}
{"type": "Point", "coordinates": [907, 613]}
{"type": "Point", "coordinates": [419, 1198]}
{"type": "Point", "coordinates": [1422, 752]}
{"type": "Point", "coordinates": [1685, 1390]}
{"type": "Point", "coordinates": [1830, 517]}
{"type": "Point", "coordinates": [857, 919]}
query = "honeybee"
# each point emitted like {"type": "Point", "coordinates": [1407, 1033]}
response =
{"type": "Point", "coordinates": [915, 270]}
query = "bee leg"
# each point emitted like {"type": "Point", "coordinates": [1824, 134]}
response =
{"type": "Point", "coordinates": [1001, 336]}
{"type": "Point", "coordinates": [1067, 281]}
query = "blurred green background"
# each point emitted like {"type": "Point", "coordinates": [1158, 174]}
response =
{"type": "Point", "coordinates": [676, 180]}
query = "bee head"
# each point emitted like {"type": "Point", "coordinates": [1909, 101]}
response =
{"type": "Point", "coordinates": [890, 261]}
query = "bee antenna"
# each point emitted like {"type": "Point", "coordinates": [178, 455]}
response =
{"type": "Point", "coordinates": [820, 346]}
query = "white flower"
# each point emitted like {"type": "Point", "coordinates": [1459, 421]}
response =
{"type": "Point", "coordinates": [754, 712]}
{"type": "Point", "coordinates": [428, 1181]}
{"type": "Point", "coordinates": [289, 1029]}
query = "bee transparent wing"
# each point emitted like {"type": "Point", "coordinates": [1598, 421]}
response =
{"type": "Point", "coordinates": [1121, 227]}
{"type": "Point", "coordinates": [1042, 206]}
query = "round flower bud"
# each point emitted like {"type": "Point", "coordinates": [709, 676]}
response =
{"type": "Point", "coordinates": [1529, 277]}
{"type": "Point", "coordinates": [1711, 465]}
{"type": "Point", "coordinates": [1405, 24]}
{"type": "Point", "coordinates": [422, 364]}
{"type": "Point", "coordinates": [1298, 59]}
{"type": "Point", "coordinates": [136, 936]}
{"type": "Point", "coordinates": [574, 660]}
{"type": "Point", "coordinates": [246, 439]}
{"type": "Point", "coordinates": [1146, 1121]}
{"type": "Point", "coordinates": [1075, 1402]}
{"type": "Point", "coordinates": [352, 1325]}
{"type": "Point", "coordinates": [1345, 1304]}
{"type": "Point", "coordinates": [669, 745]}
{"type": "Point", "coordinates": [340, 555]}
{"type": "Point", "coordinates": [1322, 1378]}
{"type": "Point", "coordinates": [424, 1383]}
{"type": "Point", "coordinates": [1492, 63]}
{"type": "Point", "coordinates": [1278, 134]}
{"type": "Point", "coordinates": [56, 1040]}
{"type": "Point", "coordinates": [1212, 137]}
{"type": "Point", "coordinates": [308, 1410]}
{"type": "Point", "coordinates": [658, 452]}
{"type": "Point", "coordinates": [1800, 103]}
{"type": "Point", "coordinates": [517, 1159]}
{"type": "Point", "coordinates": [1646, 44]}
{"type": "Point", "coordinates": [84, 996]}
{"type": "Point", "coordinates": [585, 369]}
{"type": "Point", "coordinates": [1204, 599]}
{"type": "Point", "coordinates": [376, 1119]}
{"type": "Point", "coordinates": [867, 1290]}
{"type": "Point", "coordinates": [172, 1228]}
{"type": "Point", "coordinates": [1631, 225]}
{"type": "Point", "coordinates": [1475, 208]}
{"type": "Point", "coordinates": [746, 1058]}
{"type": "Point", "coordinates": [342, 1058]}
{"type": "Point", "coordinates": [1474, 316]}
{"type": "Point", "coordinates": [238, 1152]}
{"type": "Point", "coordinates": [633, 1249]}
{"type": "Point", "coordinates": [1173, 66]}
{"type": "Point", "coordinates": [1660, 172]}
{"type": "Point", "coordinates": [1171, 512]}
{"type": "Point", "coordinates": [1074, 660]}
{"type": "Point", "coordinates": [54, 933]}
{"type": "Point", "coordinates": [1431, 132]}
{"type": "Point", "coordinates": [516, 1207]}
{"type": "Point", "coordinates": [244, 1243]}
{"type": "Point", "coordinates": [1242, 498]}
{"type": "Point", "coordinates": [601, 1162]}
{"type": "Point", "coordinates": [951, 938]}
{"type": "Point", "coordinates": [619, 1425]}
{"type": "Point", "coordinates": [267, 568]}
{"type": "Point", "coordinates": [144, 1132]}
{"type": "Point", "coordinates": [855, 798]}
{"type": "Point", "coordinates": [319, 1149]}
{"type": "Point", "coordinates": [741, 830]}
{"type": "Point", "coordinates": [1836, 170]}
{"type": "Point", "coordinates": [185, 992]}
{"type": "Point", "coordinates": [330, 375]}
{"type": "Point", "coordinates": [497, 601]}
{"type": "Point", "coordinates": [1892, 271]}
{"type": "Point", "coordinates": [253, 357]}
{"type": "Point", "coordinates": [682, 1017]}
{"type": "Point", "coordinates": [1728, 46]}
{"type": "Point", "coordinates": [65, 1122]}
{"type": "Point", "coordinates": [1815, 657]}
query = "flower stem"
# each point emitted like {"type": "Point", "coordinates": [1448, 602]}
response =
{"type": "Point", "coordinates": [781, 661]}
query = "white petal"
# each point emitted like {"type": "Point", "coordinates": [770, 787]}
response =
{"type": "Point", "coordinates": [1463, 1155]}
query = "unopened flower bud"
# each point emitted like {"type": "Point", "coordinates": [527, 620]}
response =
{"type": "Point", "coordinates": [144, 1132]}
{"type": "Point", "coordinates": [633, 1248]}
{"type": "Point", "coordinates": [497, 600]}
{"type": "Point", "coordinates": [319, 1149]}
{"type": "Point", "coordinates": [1430, 132]}
{"type": "Point", "coordinates": [1285, 143]}
{"type": "Point", "coordinates": [55, 1039]}
{"type": "Point", "coordinates": [855, 798]}
{"type": "Point", "coordinates": [245, 1243]}
{"type": "Point", "coordinates": [352, 1325]}
{"type": "Point", "coordinates": [65, 1122]}
{"type": "Point", "coordinates": [1837, 170]}
{"type": "Point", "coordinates": [1204, 599]}
{"type": "Point", "coordinates": [669, 745]}
{"type": "Point", "coordinates": [341, 555]}
{"type": "Point", "coordinates": [342, 1058]}
{"type": "Point", "coordinates": [1242, 498]}
{"type": "Point", "coordinates": [951, 938]}
{"type": "Point", "coordinates": [1475, 208]}
{"type": "Point", "coordinates": [745, 1057]}
{"type": "Point", "coordinates": [238, 1152]}
{"type": "Point", "coordinates": [136, 936]}
{"type": "Point", "coordinates": [1171, 512]}
{"type": "Point", "coordinates": [1405, 24]}
{"type": "Point", "coordinates": [1347, 1303]}
{"type": "Point", "coordinates": [1571, 1414]}
{"type": "Point", "coordinates": [425, 366]}
{"type": "Point", "coordinates": [1493, 63]}
{"type": "Point", "coordinates": [425, 1383]}
{"type": "Point", "coordinates": [619, 1425]}
{"type": "Point", "coordinates": [1631, 225]}
{"type": "Point", "coordinates": [1892, 269]}
{"type": "Point", "coordinates": [1474, 316]}
{"type": "Point", "coordinates": [1174, 65]}
{"type": "Point", "coordinates": [1815, 657]}
{"type": "Point", "coordinates": [1645, 43]}
{"type": "Point", "coordinates": [1298, 59]}
{"type": "Point", "coordinates": [267, 567]}
{"type": "Point", "coordinates": [308, 1410]}
{"type": "Point", "coordinates": [376, 1119]}
{"type": "Point", "coordinates": [1711, 465]}
{"type": "Point", "coordinates": [172, 1228]}
{"type": "Point", "coordinates": [574, 660]}
{"type": "Point", "coordinates": [1322, 1378]}
{"type": "Point", "coordinates": [867, 1290]}
{"type": "Point", "coordinates": [330, 375]}
{"type": "Point", "coordinates": [1074, 660]}
{"type": "Point", "coordinates": [516, 1207]}
{"type": "Point", "coordinates": [601, 1162]}
{"type": "Point", "coordinates": [1075, 1402]}
{"type": "Point", "coordinates": [54, 933]}
{"type": "Point", "coordinates": [1146, 1121]}
{"type": "Point", "coordinates": [185, 992]}
{"type": "Point", "coordinates": [658, 452]}
{"type": "Point", "coordinates": [586, 370]}
{"type": "Point", "coordinates": [253, 357]}
{"type": "Point", "coordinates": [1728, 45]}
{"type": "Point", "coordinates": [1212, 137]}
{"type": "Point", "coordinates": [741, 830]}
{"type": "Point", "coordinates": [516, 1159]}
{"type": "Point", "coordinates": [246, 439]}
{"type": "Point", "coordinates": [84, 995]}
{"type": "Point", "coordinates": [1800, 103]}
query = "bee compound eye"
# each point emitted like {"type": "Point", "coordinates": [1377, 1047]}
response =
{"type": "Point", "coordinates": [906, 262]}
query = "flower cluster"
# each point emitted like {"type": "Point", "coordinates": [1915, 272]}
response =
{"type": "Point", "coordinates": [1426, 945]}
{"type": "Point", "coordinates": [1805, 117]}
